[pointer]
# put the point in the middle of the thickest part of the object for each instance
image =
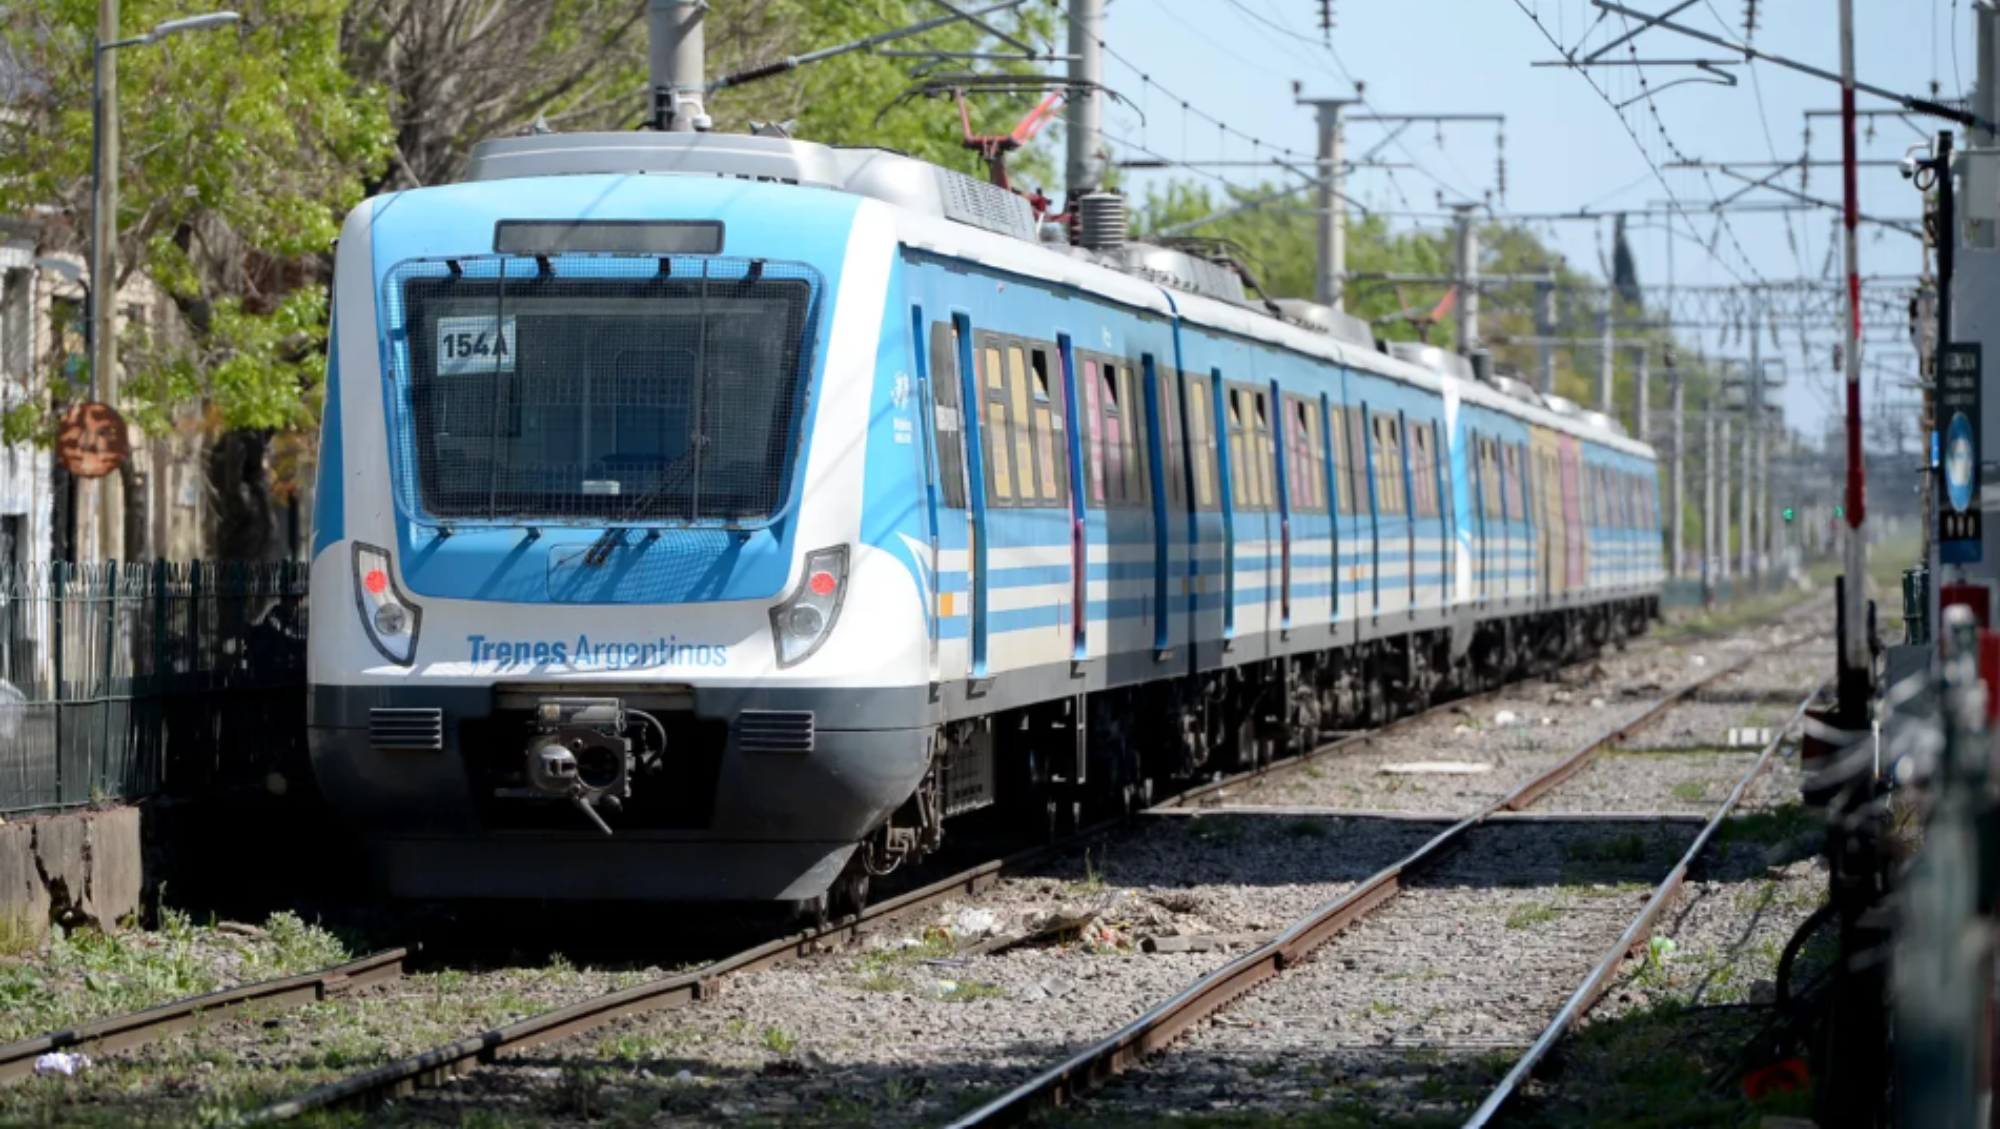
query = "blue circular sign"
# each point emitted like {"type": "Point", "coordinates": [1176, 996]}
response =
{"type": "Point", "coordinates": [1960, 468]}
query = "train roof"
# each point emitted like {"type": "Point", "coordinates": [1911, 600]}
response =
{"type": "Point", "coordinates": [944, 212]}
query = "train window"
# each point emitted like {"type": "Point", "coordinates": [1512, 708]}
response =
{"type": "Point", "coordinates": [1111, 405]}
{"type": "Point", "coordinates": [1496, 476]}
{"type": "Point", "coordinates": [1233, 405]}
{"type": "Point", "coordinates": [1357, 460]}
{"type": "Point", "coordinates": [1267, 453]}
{"type": "Point", "coordinates": [1389, 469]}
{"type": "Point", "coordinates": [945, 415]}
{"type": "Point", "coordinates": [1201, 441]}
{"type": "Point", "coordinates": [1093, 430]}
{"type": "Point", "coordinates": [1489, 478]}
{"type": "Point", "coordinates": [1343, 484]}
{"type": "Point", "coordinates": [1023, 430]}
{"type": "Point", "coordinates": [1307, 470]}
{"type": "Point", "coordinates": [1424, 469]}
{"type": "Point", "coordinates": [1170, 437]}
{"type": "Point", "coordinates": [1051, 451]}
{"type": "Point", "coordinates": [1131, 395]}
{"type": "Point", "coordinates": [993, 427]}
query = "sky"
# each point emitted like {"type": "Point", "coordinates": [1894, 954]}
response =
{"type": "Point", "coordinates": [1566, 147]}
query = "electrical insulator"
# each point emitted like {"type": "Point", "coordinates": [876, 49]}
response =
{"type": "Point", "coordinates": [1326, 16]}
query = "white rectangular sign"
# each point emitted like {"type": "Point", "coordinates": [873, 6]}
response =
{"type": "Point", "coordinates": [469, 345]}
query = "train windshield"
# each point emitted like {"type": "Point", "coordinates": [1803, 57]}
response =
{"type": "Point", "coordinates": [595, 392]}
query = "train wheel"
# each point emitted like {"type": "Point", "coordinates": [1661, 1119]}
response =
{"type": "Point", "coordinates": [849, 894]}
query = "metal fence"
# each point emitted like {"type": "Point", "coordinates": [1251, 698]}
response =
{"type": "Point", "coordinates": [121, 681]}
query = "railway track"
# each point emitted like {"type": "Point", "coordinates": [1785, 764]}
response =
{"type": "Point", "coordinates": [136, 1029]}
{"type": "Point", "coordinates": [449, 1060]}
{"type": "Point", "coordinates": [1635, 936]}
{"type": "Point", "coordinates": [1163, 1024]}
{"type": "Point", "coordinates": [444, 1062]}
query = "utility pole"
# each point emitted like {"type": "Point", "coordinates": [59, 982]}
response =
{"type": "Point", "coordinates": [1330, 270]}
{"type": "Point", "coordinates": [1854, 641]}
{"type": "Point", "coordinates": [1468, 278]}
{"type": "Point", "coordinates": [1746, 559]}
{"type": "Point", "coordinates": [1607, 359]}
{"type": "Point", "coordinates": [104, 279]}
{"type": "Point", "coordinates": [1084, 169]}
{"type": "Point", "coordinates": [677, 64]}
{"type": "Point", "coordinates": [1642, 416]}
{"type": "Point", "coordinates": [1676, 519]}
{"type": "Point", "coordinates": [1720, 457]}
{"type": "Point", "coordinates": [1754, 518]}
{"type": "Point", "coordinates": [1545, 328]}
{"type": "Point", "coordinates": [1708, 524]}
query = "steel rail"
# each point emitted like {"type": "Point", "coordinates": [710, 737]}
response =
{"type": "Point", "coordinates": [446, 1061]}
{"type": "Point", "coordinates": [1635, 935]}
{"type": "Point", "coordinates": [134, 1029]}
{"type": "Point", "coordinates": [1165, 1022]}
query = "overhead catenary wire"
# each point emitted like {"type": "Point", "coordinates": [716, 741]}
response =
{"type": "Point", "coordinates": [1659, 174]}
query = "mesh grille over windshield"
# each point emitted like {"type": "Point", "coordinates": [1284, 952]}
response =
{"type": "Point", "coordinates": [604, 389]}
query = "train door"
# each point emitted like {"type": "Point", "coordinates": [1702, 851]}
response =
{"type": "Point", "coordinates": [1227, 456]}
{"type": "Point", "coordinates": [945, 494]}
{"type": "Point", "coordinates": [1337, 507]}
{"type": "Point", "coordinates": [1479, 499]}
{"type": "Point", "coordinates": [1573, 517]}
{"type": "Point", "coordinates": [1399, 444]}
{"type": "Point", "coordinates": [972, 372]}
{"type": "Point", "coordinates": [1282, 434]}
{"type": "Point", "coordinates": [1079, 533]}
{"type": "Point", "coordinates": [1162, 414]}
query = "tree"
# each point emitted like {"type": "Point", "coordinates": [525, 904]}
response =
{"type": "Point", "coordinates": [240, 150]}
{"type": "Point", "coordinates": [461, 71]}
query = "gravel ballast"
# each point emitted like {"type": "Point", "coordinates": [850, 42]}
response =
{"type": "Point", "coordinates": [902, 1033]}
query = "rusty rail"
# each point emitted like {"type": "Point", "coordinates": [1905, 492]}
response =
{"type": "Point", "coordinates": [442, 1063]}
{"type": "Point", "coordinates": [123, 1032]}
{"type": "Point", "coordinates": [1161, 1025]}
{"type": "Point", "coordinates": [1635, 934]}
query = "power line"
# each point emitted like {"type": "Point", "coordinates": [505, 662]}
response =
{"type": "Point", "coordinates": [1658, 174]}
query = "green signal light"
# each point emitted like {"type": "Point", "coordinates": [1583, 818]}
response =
{"type": "Point", "coordinates": [1839, 511]}
{"type": "Point", "coordinates": [1788, 513]}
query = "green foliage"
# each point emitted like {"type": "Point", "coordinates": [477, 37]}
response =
{"type": "Point", "coordinates": [240, 150]}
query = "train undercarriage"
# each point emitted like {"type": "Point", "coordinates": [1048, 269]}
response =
{"type": "Point", "coordinates": [1061, 762]}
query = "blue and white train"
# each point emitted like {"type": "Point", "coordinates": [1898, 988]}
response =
{"type": "Point", "coordinates": [712, 517]}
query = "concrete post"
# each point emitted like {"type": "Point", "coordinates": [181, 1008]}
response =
{"type": "Point", "coordinates": [1545, 328]}
{"type": "Point", "coordinates": [1720, 456]}
{"type": "Point", "coordinates": [104, 280]}
{"type": "Point", "coordinates": [1708, 524]}
{"type": "Point", "coordinates": [1677, 497]}
{"type": "Point", "coordinates": [1468, 278]}
{"type": "Point", "coordinates": [1642, 417]}
{"type": "Point", "coordinates": [1084, 169]}
{"type": "Point", "coordinates": [1607, 357]}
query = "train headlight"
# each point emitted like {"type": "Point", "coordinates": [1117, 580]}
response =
{"type": "Point", "coordinates": [388, 616]}
{"type": "Point", "coordinates": [801, 623]}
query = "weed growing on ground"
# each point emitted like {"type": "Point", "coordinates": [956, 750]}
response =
{"type": "Point", "coordinates": [1688, 791]}
{"type": "Point", "coordinates": [1528, 916]}
{"type": "Point", "coordinates": [966, 991]}
{"type": "Point", "coordinates": [779, 1041]}
{"type": "Point", "coordinates": [882, 980]}
{"type": "Point", "coordinates": [1093, 882]}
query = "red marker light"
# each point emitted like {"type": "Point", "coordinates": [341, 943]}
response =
{"type": "Point", "coordinates": [822, 583]}
{"type": "Point", "coordinates": [376, 581]}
